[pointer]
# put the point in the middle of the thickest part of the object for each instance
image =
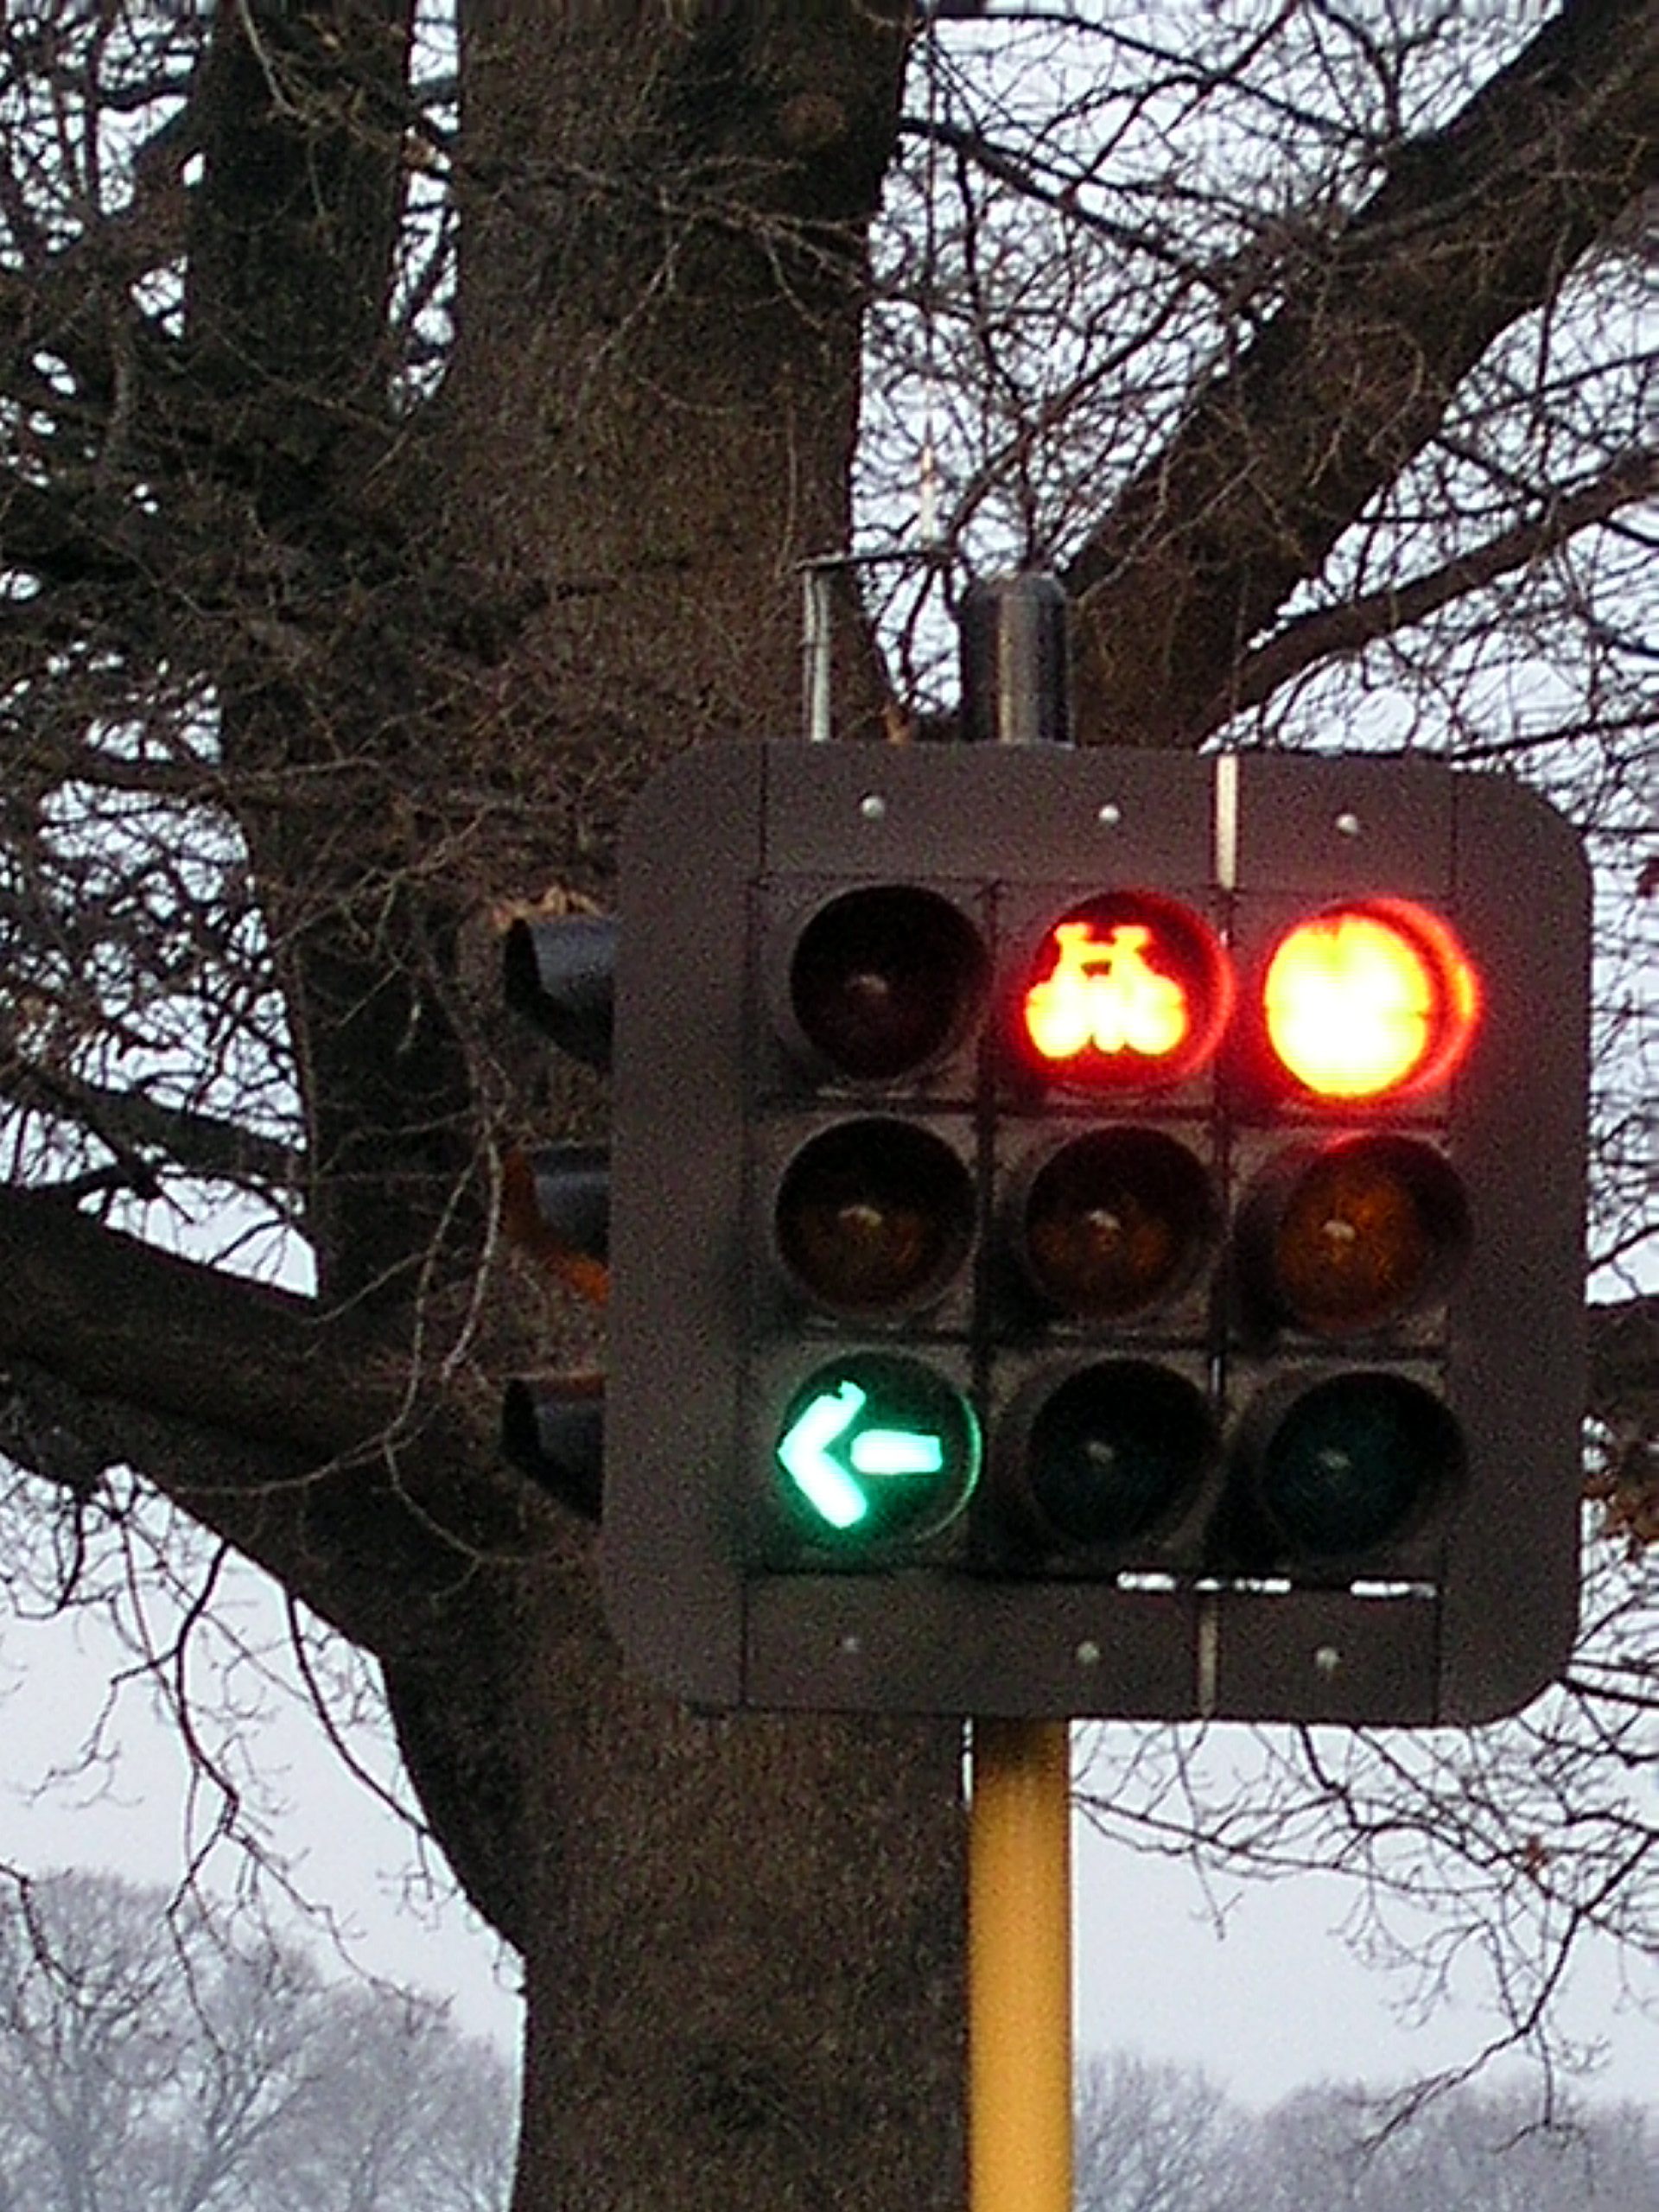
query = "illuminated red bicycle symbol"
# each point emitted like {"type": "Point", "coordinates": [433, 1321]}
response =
{"type": "Point", "coordinates": [1102, 992]}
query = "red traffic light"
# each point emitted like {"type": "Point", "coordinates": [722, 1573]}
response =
{"type": "Point", "coordinates": [1372, 1000]}
{"type": "Point", "coordinates": [1127, 990]}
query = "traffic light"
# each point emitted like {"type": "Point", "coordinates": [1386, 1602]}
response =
{"type": "Point", "coordinates": [559, 971]}
{"type": "Point", "coordinates": [1097, 1232]}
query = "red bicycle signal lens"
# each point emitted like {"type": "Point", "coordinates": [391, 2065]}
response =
{"type": "Point", "coordinates": [1127, 990]}
{"type": "Point", "coordinates": [1368, 1001]}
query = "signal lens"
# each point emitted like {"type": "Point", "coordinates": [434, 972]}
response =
{"type": "Point", "coordinates": [1347, 1238]}
{"type": "Point", "coordinates": [886, 980]}
{"type": "Point", "coordinates": [874, 1447]}
{"type": "Point", "coordinates": [1117, 1450]}
{"type": "Point", "coordinates": [1353, 1462]}
{"type": "Point", "coordinates": [1370, 1001]}
{"type": "Point", "coordinates": [874, 1216]}
{"type": "Point", "coordinates": [1114, 1222]}
{"type": "Point", "coordinates": [1127, 990]}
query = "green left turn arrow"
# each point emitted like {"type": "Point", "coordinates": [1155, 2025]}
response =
{"type": "Point", "coordinates": [879, 1445]}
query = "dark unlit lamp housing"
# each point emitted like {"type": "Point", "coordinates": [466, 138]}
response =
{"type": "Point", "coordinates": [554, 1432]}
{"type": "Point", "coordinates": [1016, 673]}
{"type": "Point", "coordinates": [560, 973]}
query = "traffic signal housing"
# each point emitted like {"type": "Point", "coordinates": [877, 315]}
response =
{"type": "Point", "coordinates": [558, 971]}
{"type": "Point", "coordinates": [1097, 1232]}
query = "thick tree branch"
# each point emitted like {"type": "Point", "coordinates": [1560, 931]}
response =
{"type": "Point", "coordinates": [321, 1419]}
{"type": "Point", "coordinates": [449, 1649]}
{"type": "Point", "coordinates": [1625, 1364]}
{"type": "Point", "coordinates": [299, 1437]}
{"type": "Point", "coordinates": [1473, 228]}
{"type": "Point", "coordinates": [81, 537]}
{"type": "Point", "coordinates": [128, 1122]}
{"type": "Point", "coordinates": [173, 1335]}
{"type": "Point", "coordinates": [1359, 622]}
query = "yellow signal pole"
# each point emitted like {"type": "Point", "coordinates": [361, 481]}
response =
{"type": "Point", "coordinates": [1020, 1968]}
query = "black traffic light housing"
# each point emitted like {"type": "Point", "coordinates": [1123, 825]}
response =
{"type": "Point", "coordinates": [1023, 1301]}
{"type": "Point", "coordinates": [559, 972]}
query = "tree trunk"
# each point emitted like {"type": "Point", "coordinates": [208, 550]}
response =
{"type": "Point", "coordinates": [740, 1938]}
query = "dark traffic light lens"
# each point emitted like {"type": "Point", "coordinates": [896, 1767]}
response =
{"type": "Point", "coordinates": [1353, 1235]}
{"type": "Point", "coordinates": [1115, 1221]}
{"type": "Point", "coordinates": [886, 980]}
{"type": "Point", "coordinates": [1117, 1449]}
{"type": "Point", "coordinates": [1353, 1462]}
{"type": "Point", "coordinates": [874, 1216]}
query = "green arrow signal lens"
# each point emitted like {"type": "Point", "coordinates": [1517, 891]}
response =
{"type": "Point", "coordinates": [806, 1450]}
{"type": "Point", "coordinates": [897, 1451]}
{"type": "Point", "coordinates": [875, 1448]}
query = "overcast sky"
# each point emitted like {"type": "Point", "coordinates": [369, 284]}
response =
{"type": "Point", "coordinates": [1275, 2002]}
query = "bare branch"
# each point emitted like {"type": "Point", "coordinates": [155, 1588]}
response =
{"type": "Point", "coordinates": [303, 1440]}
{"type": "Point", "coordinates": [1473, 228]}
{"type": "Point", "coordinates": [126, 1121]}
{"type": "Point", "coordinates": [1348, 628]}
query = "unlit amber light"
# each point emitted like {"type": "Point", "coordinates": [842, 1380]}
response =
{"type": "Point", "coordinates": [1362, 1002]}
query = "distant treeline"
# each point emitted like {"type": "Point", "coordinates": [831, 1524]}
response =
{"type": "Point", "coordinates": [1164, 2137]}
{"type": "Point", "coordinates": [161, 2053]}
